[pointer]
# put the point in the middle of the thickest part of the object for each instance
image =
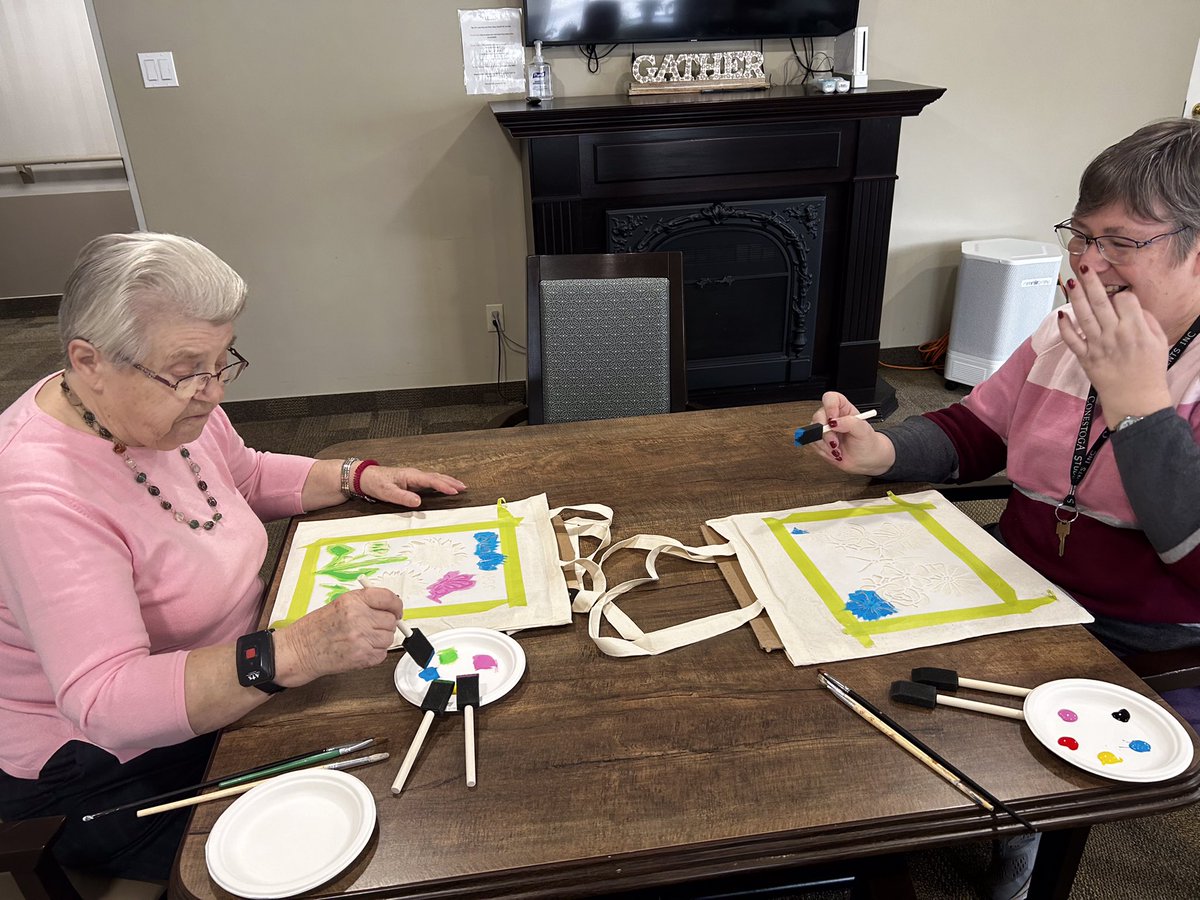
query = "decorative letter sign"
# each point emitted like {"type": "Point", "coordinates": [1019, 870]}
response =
{"type": "Point", "coordinates": [733, 70]}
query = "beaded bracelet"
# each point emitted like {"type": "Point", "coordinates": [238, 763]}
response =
{"type": "Point", "coordinates": [348, 465]}
{"type": "Point", "coordinates": [356, 484]}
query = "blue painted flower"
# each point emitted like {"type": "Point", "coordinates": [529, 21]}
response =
{"type": "Point", "coordinates": [487, 545]}
{"type": "Point", "coordinates": [869, 606]}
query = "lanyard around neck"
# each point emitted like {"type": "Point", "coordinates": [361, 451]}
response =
{"type": "Point", "coordinates": [1081, 456]}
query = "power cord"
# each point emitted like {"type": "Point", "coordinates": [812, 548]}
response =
{"type": "Point", "coordinates": [932, 352]}
{"type": "Point", "coordinates": [503, 344]}
{"type": "Point", "coordinates": [813, 63]}
{"type": "Point", "coordinates": [593, 58]}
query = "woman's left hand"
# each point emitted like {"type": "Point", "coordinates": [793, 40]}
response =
{"type": "Point", "coordinates": [400, 486]}
{"type": "Point", "coordinates": [1121, 347]}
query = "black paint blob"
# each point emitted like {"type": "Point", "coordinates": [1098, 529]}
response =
{"type": "Point", "coordinates": [1121, 715]}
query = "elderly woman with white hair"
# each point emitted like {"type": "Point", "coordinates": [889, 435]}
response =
{"type": "Point", "coordinates": [131, 538]}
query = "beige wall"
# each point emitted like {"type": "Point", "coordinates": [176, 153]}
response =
{"type": "Point", "coordinates": [329, 152]}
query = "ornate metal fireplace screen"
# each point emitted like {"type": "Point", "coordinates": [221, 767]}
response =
{"type": "Point", "coordinates": [751, 275]}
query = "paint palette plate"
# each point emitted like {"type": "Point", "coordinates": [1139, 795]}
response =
{"type": "Point", "coordinates": [290, 834]}
{"type": "Point", "coordinates": [1108, 730]}
{"type": "Point", "coordinates": [496, 657]}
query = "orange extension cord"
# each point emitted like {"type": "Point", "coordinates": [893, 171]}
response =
{"type": "Point", "coordinates": [933, 352]}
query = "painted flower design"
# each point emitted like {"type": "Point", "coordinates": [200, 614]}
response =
{"type": "Point", "coordinates": [448, 584]}
{"type": "Point", "coordinates": [868, 606]}
{"type": "Point", "coordinates": [487, 549]}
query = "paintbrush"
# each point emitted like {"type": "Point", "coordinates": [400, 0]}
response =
{"type": "Point", "coordinates": [415, 643]}
{"type": "Point", "coordinates": [242, 788]}
{"type": "Point", "coordinates": [468, 702]}
{"type": "Point", "coordinates": [949, 680]}
{"type": "Point", "coordinates": [918, 750]}
{"type": "Point", "coordinates": [807, 434]}
{"type": "Point", "coordinates": [436, 700]}
{"type": "Point", "coordinates": [252, 774]}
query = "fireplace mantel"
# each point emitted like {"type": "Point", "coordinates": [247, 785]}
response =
{"type": "Point", "coordinates": [587, 158]}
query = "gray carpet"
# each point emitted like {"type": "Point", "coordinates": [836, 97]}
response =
{"type": "Point", "coordinates": [1155, 857]}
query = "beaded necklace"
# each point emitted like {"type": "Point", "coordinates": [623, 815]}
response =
{"type": "Point", "coordinates": [89, 419]}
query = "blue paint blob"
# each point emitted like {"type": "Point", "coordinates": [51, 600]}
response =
{"type": "Point", "coordinates": [869, 606]}
{"type": "Point", "coordinates": [487, 552]}
{"type": "Point", "coordinates": [799, 531]}
{"type": "Point", "coordinates": [1139, 746]}
{"type": "Point", "coordinates": [429, 674]}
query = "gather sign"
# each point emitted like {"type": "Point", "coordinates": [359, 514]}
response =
{"type": "Point", "coordinates": [731, 69]}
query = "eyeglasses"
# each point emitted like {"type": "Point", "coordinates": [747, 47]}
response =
{"type": "Point", "coordinates": [189, 386]}
{"type": "Point", "coordinates": [1117, 249]}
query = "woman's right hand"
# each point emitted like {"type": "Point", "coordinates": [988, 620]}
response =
{"type": "Point", "coordinates": [851, 444]}
{"type": "Point", "coordinates": [352, 632]}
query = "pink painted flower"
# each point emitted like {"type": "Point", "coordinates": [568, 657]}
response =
{"type": "Point", "coordinates": [448, 584]}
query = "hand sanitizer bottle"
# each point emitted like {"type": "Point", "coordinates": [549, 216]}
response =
{"type": "Point", "coordinates": [540, 87]}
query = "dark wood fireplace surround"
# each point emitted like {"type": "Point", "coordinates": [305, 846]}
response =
{"type": "Point", "coordinates": [804, 176]}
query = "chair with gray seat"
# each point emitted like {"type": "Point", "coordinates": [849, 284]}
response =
{"type": "Point", "coordinates": [605, 336]}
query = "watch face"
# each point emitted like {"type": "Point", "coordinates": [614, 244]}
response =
{"type": "Point", "coordinates": [256, 661]}
{"type": "Point", "coordinates": [1128, 420]}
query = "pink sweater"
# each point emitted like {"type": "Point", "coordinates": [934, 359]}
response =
{"type": "Point", "coordinates": [103, 593]}
{"type": "Point", "coordinates": [1134, 551]}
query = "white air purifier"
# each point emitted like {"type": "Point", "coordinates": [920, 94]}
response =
{"type": "Point", "coordinates": [1005, 288]}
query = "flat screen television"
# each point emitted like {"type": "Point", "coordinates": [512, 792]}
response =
{"type": "Point", "coordinates": [648, 21]}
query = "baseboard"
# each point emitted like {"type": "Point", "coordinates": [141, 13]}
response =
{"type": "Point", "coordinates": [372, 401]}
{"type": "Point", "coordinates": [28, 307]}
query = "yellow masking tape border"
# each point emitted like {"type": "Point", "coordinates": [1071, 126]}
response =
{"type": "Point", "coordinates": [1008, 603]}
{"type": "Point", "coordinates": [505, 522]}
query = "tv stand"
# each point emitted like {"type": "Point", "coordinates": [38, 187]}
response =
{"type": "Point", "coordinates": [802, 180]}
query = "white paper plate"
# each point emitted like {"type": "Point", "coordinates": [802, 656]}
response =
{"type": "Point", "coordinates": [290, 834]}
{"type": "Point", "coordinates": [1074, 718]}
{"type": "Point", "coordinates": [497, 658]}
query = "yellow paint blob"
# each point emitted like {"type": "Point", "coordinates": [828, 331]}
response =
{"type": "Point", "coordinates": [1108, 758]}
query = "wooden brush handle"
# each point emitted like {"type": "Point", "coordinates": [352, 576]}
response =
{"type": "Point", "coordinates": [975, 706]}
{"type": "Point", "coordinates": [1010, 689]}
{"type": "Point", "coordinates": [469, 738]}
{"type": "Point", "coordinates": [413, 749]}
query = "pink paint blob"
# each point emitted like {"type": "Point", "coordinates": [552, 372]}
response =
{"type": "Point", "coordinates": [1069, 742]}
{"type": "Point", "coordinates": [1067, 715]}
{"type": "Point", "coordinates": [482, 661]}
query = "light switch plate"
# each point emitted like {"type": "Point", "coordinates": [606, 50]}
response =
{"type": "Point", "coordinates": [158, 69]}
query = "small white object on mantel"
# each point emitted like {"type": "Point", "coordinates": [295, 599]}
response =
{"type": "Point", "coordinates": [730, 70]}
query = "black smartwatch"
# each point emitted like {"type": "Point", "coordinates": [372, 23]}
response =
{"type": "Point", "coordinates": [256, 661]}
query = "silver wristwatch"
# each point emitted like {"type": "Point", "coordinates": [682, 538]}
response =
{"type": "Point", "coordinates": [1127, 421]}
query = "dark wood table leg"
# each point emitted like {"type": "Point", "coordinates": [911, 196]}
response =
{"type": "Point", "coordinates": [1057, 862]}
{"type": "Point", "coordinates": [25, 853]}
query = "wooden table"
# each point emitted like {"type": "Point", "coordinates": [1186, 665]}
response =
{"type": "Point", "coordinates": [598, 775]}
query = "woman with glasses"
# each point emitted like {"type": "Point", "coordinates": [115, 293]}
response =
{"type": "Point", "coordinates": [1096, 416]}
{"type": "Point", "coordinates": [131, 538]}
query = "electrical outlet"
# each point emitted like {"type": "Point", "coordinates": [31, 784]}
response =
{"type": "Point", "coordinates": [495, 317]}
